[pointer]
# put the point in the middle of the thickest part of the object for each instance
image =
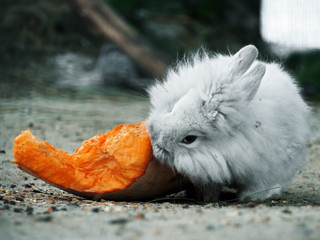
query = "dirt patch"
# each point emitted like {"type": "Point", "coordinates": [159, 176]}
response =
{"type": "Point", "coordinates": [31, 209]}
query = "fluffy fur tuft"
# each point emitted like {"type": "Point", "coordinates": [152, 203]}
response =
{"type": "Point", "coordinates": [230, 120]}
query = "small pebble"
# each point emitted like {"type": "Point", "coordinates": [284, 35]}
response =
{"type": "Point", "coordinates": [147, 207]}
{"type": "Point", "coordinates": [18, 198]}
{"type": "Point", "coordinates": [13, 185]}
{"type": "Point", "coordinates": [27, 185]}
{"type": "Point", "coordinates": [185, 206]}
{"type": "Point", "coordinates": [237, 225]}
{"type": "Point", "coordinates": [139, 216]}
{"type": "Point", "coordinates": [7, 197]}
{"type": "Point", "coordinates": [209, 227]}
{"type": "Point", "coordinates": [225, 222]}
{"type": "Point", "coordinates": [17, 210]}
{"type": "Point", "coordinates": [199, 210]}
{"type": "Point", "coordinates": [54, 208]}
{"type": "Point", "coordinates": [39, 195]}
{"type": "Point", "coordinates": [73, 204]}
{"type": "Point", "coordinates": [250, 205]}
{"type": "Point", "coordinates": [47, 218]}
{"type": "Point", "coordinates": [287, 211]}
{"type": "Point", "coordinates": [261, 220]}
{"type": "Point", "coordinates": [2, 151]}
{"type": "Point", "coordinates": [29, 210]}
{"type": "Point", "coordinates": [235, 213]}
{"type": "Point", "coordinates": [6, 207]}
{"type": "Point", "coordinates": [265, 219]}
{"type": "Point", "coordinates": [261, 206]}
{"type": "Point", "coordinates": [95, 210]}
{"type": "Point", "coordinates": [119, 221]}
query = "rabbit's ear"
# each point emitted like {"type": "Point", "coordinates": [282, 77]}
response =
{"type": "Point", "coordinates": [250, 82]}
{"type": "Point", "coordinates": [242, 60]}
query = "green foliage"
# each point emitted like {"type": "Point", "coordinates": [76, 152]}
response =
{"type": "Point", "coordinates": [39, 27]}
{"type": "Point", "coordinates": [199, 9]}
{"type": "Point", "coordinates": [306, 68]}
{"type": "Point", "coordinates": [180, 26]}
{"type": "Point", "coordinates": [31, 32]}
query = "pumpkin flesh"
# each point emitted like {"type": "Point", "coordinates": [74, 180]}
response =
{"type": "Point", "coordinates": [104, 163]}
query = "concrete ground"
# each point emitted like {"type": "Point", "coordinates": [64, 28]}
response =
{"type": "Point", "coordinates": [32, 209]}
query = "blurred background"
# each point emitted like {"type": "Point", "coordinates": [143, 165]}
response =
{"type": "Point", "coordinates": [52, 48]}
{"type": "Point", "coordinates": [70, 69]}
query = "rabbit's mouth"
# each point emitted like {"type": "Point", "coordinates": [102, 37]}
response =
{"type": "Point", "coordinates": [162, 154]}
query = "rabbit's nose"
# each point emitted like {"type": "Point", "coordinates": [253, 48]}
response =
{"type": "Point", "coordinates": [166, 143]}
{"type": "Point", "coordinates": [159, 146]}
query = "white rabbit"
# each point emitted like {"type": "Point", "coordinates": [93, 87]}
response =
{"type": "Point", "coordinates": [230, 120]}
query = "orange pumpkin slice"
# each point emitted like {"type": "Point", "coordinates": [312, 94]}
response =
{"type": "Point", "coordinates": [114, 165]}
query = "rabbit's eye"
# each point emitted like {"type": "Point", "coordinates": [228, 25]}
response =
{"type": "Point", "coordinates": [189, 139]}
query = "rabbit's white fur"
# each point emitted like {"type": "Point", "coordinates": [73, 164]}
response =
{"type": "Point", "coordinates": [250, 122]}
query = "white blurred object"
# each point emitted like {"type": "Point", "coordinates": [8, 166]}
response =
{"type": "Point", "coordinates": [112, 68]}
{"type": "Point", "coordinates": [76, 70]}
{"type": "Point", "coordinates": [117, 69]}
{"type": "Point", "coordinates": [291, 24]}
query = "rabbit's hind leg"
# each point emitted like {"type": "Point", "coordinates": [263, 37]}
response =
{"type": "Point", "coordinates": [260, 193]}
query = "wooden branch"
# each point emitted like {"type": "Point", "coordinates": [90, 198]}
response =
{"type": "Point", "coordinates": [106, 24]}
